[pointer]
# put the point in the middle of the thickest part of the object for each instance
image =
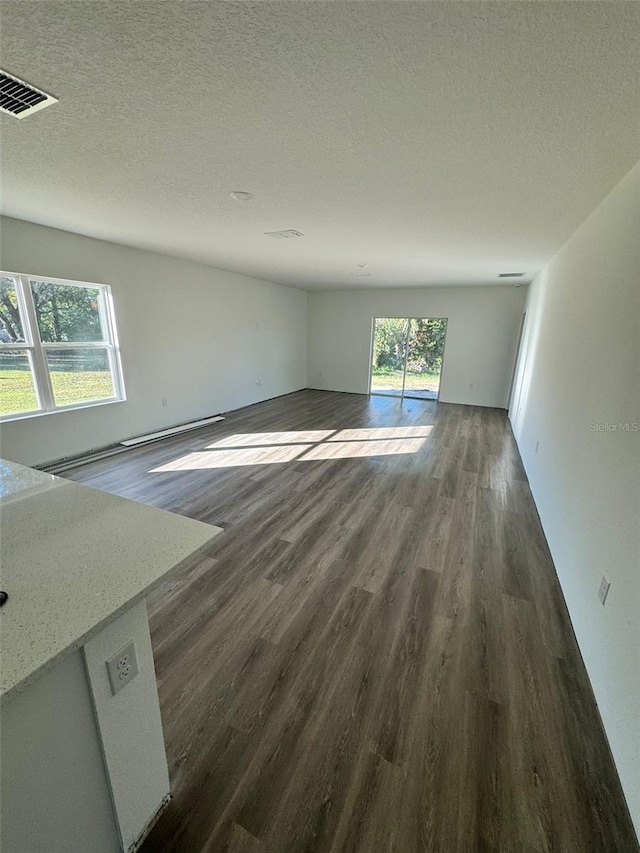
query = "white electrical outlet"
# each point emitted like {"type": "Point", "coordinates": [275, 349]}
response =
{"type": "Point", "coordinates": [122, 667]}
{"type": "Point", "coordinates": [164, 402]}
{"type": "Point", "coordinates": [603, 589]}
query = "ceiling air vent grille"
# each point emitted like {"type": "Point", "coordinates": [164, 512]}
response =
{"type": "Point", "coordinates": [283, 235]}
{"type": "Point", "coordinates": [19, 99]}
{"type": "Point", "coordinates": [510, 275]}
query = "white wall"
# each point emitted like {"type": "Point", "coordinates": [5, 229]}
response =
{"type": "Point", "coordinates": [580, 366]}
{"type": "Point", "coordinates": [482, 331]}
{"type": "Point", "coordinates": [83, 770]}
{"type": "Point", "coordinates": [55, 792]}
{"type": "Point", "coordinates": [196, 335]}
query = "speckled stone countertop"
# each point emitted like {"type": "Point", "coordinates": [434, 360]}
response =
{"type": "Point", "coordinates": [73, 559]}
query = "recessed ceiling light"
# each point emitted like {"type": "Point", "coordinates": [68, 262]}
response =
{"type": "Point", "coordinates": [510, 275]}
{"type": "Point", "coordinates": [284, 235]}
{"type": "Point", "coordinates": [241, 196]}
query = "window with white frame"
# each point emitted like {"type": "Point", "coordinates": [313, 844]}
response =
{"type": "Point", "coordinates": [58, 346]}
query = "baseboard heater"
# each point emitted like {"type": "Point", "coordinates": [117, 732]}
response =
{"type": "Point", "coordinates": [156, 436]}
{"type": "Point", "coordinates": [69, 462]}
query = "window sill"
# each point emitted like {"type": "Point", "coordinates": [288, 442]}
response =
{"type": "Point", "coordinates": [75, 408]}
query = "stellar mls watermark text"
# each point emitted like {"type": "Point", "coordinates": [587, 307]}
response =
{"type": "Point", "coordinates": [619, 427]}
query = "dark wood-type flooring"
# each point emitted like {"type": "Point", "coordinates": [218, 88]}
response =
{"type": "Point", "coordinates": [375, 656]}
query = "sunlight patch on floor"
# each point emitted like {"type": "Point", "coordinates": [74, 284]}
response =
{"type": "Point", "coordinates": [233, 458]}
{"type": "Point", "coordinates": [273, 448]}
{"type": "Point", "coordinates": [381, 432]}
{"type": "Point", "coordinates": [260, 438]}
{"type": "Point", "coordinates": [353, 449]}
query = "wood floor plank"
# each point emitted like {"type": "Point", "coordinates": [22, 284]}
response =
{"type": "Point", "coordinates": [376, 654]}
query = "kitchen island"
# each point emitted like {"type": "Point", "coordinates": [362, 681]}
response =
{"type": "Point", "coordinates": [83, 762]}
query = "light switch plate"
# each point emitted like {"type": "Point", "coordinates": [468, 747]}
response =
{"type": "Point", "coordinates": [122, 667]}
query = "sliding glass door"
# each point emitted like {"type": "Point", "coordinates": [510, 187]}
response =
{"type": "Point", "coordinates": [389, 355]}
{"type": "Point", "coordinates": [406, 356]}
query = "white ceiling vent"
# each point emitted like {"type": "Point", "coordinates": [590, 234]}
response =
{"type": "Point", "coordinates": [20, 99]}
{"type": "Point", "coordinates": [283, 235]}
{"type": "Point", "coordinates": [510, 275]}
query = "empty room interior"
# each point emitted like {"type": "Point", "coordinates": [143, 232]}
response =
{"type": "Point", "coordinates": [319, 426]}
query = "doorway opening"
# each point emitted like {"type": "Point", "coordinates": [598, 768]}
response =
{"type": "Point", "coordinates": [406, 356]}
{"type": "Point", "coordinates": [516, 364]}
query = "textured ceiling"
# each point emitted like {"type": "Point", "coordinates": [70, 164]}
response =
{"type": "Point", "coordinates": [440, 143]}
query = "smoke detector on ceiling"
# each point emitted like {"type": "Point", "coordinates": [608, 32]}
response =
{"type": "Point", "coordinates": [20, 99]}
{"type": "Point", "coordinates": [283, 235]}
{"type": "Point", "coordinates": [239, 195]}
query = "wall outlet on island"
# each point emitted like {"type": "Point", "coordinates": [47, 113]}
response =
{"type": "Point", "coordinates": [164, 403]}
{"type": "Point", "coordinates": [122, 667]}
{"type": "Point", "coordinates": [258, 382]}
